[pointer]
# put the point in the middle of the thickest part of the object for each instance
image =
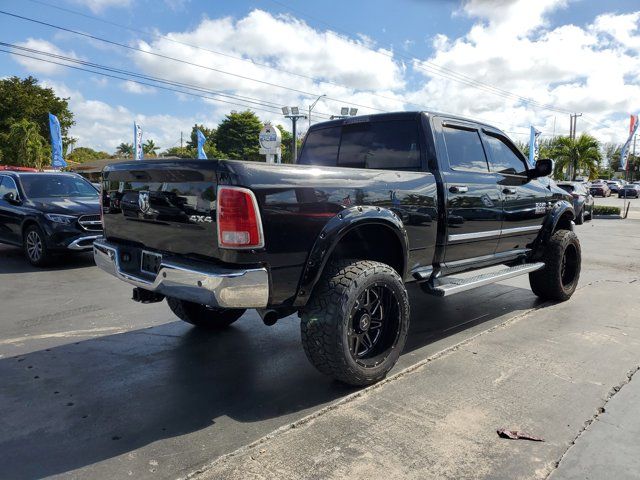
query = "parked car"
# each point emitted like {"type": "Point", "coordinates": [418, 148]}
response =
{"type": "Point", "coordinates": [582, 200]}
{"type": "Point", "coordinates": [614, 186]}
{"type": "Point", "coordinates": [631, 190]}
{"type": "Point", "coordinates": [600, 189]}
{"type": "Point", "coordinates": [375, 201]}
{"type": "Point", "coordinates": [48, 213]}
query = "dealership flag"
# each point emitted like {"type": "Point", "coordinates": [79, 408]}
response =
{"type": "Point", "coordinates": [534, 145]}
{"type": "Point", "coordinates": [201, 140]}
{"type": "Point", "coordinates": [624, 154]}
{"type": "Point", "coordinates": [56, 143]}
{"type": "Point", "coordinates": [137, 142]}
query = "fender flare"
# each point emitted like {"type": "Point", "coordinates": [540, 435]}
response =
{"type": "Point", "coordinates": [334, 230]}
{"type": "Point", "coordinates": [550, 223]}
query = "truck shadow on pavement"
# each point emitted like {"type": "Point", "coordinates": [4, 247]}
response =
{"type": "Point", "coordinates": [74, 405]}
{"type": "Point", "coordinates": [12, 260]}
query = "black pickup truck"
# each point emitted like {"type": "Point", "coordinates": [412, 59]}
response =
{"type": "Point", "coordinates": [374, 202]}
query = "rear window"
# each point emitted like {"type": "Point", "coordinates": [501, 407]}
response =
{"type": "Point", "coordinates": [392, 145]}
{"type": "Point", "coordinates": [321, 147]}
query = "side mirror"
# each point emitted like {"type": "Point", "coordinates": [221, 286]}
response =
{"type": "Point", "coordinates": [11, 197]}
{"type": "Point", "coordinates": [543, 168]}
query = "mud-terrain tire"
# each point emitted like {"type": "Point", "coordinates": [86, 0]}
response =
{"type": "Point", "coordinates": [559, 277]}
{"type": "Point", "coordinates": [204, 316]}
{"type": "Point", "coordinates": [356, 322]}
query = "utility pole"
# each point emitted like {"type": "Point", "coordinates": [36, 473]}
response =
{"type": "Point", "coordinates": [573, 120]}
{"type": "Point", "coordinates": [181, 141]}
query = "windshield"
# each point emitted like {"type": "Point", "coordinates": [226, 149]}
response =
{"type": "Point", "coordinates": [42, 185]}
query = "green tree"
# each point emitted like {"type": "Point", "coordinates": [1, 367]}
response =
{"type": "Point", "coordinates": [582, 154]}
{"type": "Point", "coordinates": [149, 148]}
{"type": "Point", "coordinates": [86, 154]}
{"type": "Point", "coordinates": [209, 134]}
{"type": "Point", "coordinates": [237, 136]}
{"type": "Point", "coordinates": [124, 150]}
{"type": "Point", "coordinates": [25, 146]}
{"type": "Point", "coordinates": [25, 99]}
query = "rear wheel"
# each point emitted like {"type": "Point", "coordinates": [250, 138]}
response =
{"type": "Point", "coordinates": [35, 247]}
{"type": "Point", "coordinates": [580, 217]}
{"type": "Point", "coordinates": [559, 277]}
{"type": "Point", "coordinates": [356, 322]}
{"type": "Point", "coordinates": [204, 316]}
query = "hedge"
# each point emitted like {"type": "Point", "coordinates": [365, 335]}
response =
{"type": "Point", "coordinates": [605, 210]}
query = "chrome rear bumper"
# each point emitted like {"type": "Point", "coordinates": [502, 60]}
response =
{"type": "Point", "coordinates": [192, 281]}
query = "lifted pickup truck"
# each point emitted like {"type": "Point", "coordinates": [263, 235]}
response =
{"type": "Point", "coordinates": [374, 202]}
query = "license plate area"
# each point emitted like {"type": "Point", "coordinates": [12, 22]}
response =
{"type": "Point", "coordinates": [150, 262]}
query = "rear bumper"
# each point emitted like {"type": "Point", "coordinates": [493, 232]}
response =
{"type": "Point", "coordinates": [192, 281]}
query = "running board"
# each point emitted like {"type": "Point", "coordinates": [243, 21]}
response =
{"type": "Point", "coordinates": [445, 286]}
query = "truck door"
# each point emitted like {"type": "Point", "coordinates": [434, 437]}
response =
{"type": "Point", "coordinates": [473, 201]}
{"type": "Point", "coordinates": [10, 216]}
{"type": "Point", "coordinates": [524, 200]}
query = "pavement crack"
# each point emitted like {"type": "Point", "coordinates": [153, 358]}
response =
{"type": "Point", "coordinates": [599, 411]}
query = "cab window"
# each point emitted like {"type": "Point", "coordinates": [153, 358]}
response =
{"type": "Point", "coordinates": [503, 158]}
{"type": "Point", "coordinates": [464, 149]}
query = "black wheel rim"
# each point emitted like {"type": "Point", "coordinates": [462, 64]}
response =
{"type": "Point", "coordinates": [34, 246]}
{"type": "Point", "coordinates": [374, 325]}
{"type": "Point", "coordinates": [569, 266]}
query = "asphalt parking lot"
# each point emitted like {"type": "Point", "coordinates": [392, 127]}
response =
{"type": "Point", "coordinates": [97, 386]}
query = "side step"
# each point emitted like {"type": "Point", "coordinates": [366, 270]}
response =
{"type": "Point", "coordinates": [445, 286]}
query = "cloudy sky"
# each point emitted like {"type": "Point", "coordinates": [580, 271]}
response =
{"type": "Point", "coordinates": [169, 64]}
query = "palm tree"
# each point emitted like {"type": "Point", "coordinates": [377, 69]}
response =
{"type": "Point", "coordinates": [150, 148]}
{"type": "Point", "coordinates": [582, 153]}
{"type": "Point", "coordinates": [125, 150]}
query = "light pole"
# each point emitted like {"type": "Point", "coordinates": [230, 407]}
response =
{"type": "Point", "coordinates": [293, 114]}
{"type": "Point", "coordinates": [312, 106]}
{"type": "Point", "coordinates": [345, 112]}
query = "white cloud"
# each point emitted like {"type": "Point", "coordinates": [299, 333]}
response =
{"type": "Point", "coordinates": [103, 126]}
{"type": "Point", "coordinates": [511, 46]}
{"type": "Point", "coordinates": [137, 88]}
{"type": "Point", "coordinates": [98, 6]}
{"type": "Point", "coordinates": [38, 66]}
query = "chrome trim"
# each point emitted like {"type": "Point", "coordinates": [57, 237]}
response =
{"type": "Point", "coordinates": [90, 225]}
{"type": "Point", "coordinates": [75, 245]}
{"type": "Point", "coordinates": [192, 281]}
{"type": "Point", "coordinates": [500, 256]}
{"type": "Point", "coordinates": [492, 233]}
{"type": "Point", "coordinates": [446, 286]}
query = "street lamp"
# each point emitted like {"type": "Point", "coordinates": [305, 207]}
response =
{"type": "Point", "coordinates": [311, 107]}
{"type": "Point", "coordinates": [294, 114]}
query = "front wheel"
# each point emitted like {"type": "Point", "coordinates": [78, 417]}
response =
{"type": "Point", "coordinates": [559, 277]}
{"type": "Point", "coordinates": [580, 217]}
{"type": "Point", "coordinates": [203, 316]}
{"type": "Point", "coordinates": [356, 322]}
{"type": "Point", "coordinates": [35, 246]}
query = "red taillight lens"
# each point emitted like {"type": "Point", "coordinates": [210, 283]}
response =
{"type": "Point", "coordinates": [238, 219]}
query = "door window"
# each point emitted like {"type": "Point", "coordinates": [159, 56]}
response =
{"type": "Point", "coordinates": [504, 159]}
{"type": "Point", "coordinates": [464, 149]}
{"type": "Point", "coordinates": [7, 185]}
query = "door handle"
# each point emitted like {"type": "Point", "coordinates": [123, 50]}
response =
{"type": "Point", "coordinates": [458, 189]}
{"type": "Point", "coordinates": [509, 191]}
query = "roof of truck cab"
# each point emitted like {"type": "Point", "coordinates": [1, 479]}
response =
{"type": "Point", "coordinates": [396, 116]}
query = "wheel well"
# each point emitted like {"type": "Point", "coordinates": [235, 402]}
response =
{"type": "Point", "coordinates": [564, 223]}
{"type": "Point", "coordinates": [372, 242]}
{"type": "Point", "coordinates": [27, 224]}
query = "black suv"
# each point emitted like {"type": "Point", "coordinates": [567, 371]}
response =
{"type": "Point", "coordinates": [48, 213]}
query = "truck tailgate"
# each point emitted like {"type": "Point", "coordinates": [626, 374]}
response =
{"type": "Point", "coordinates": [163, 205]}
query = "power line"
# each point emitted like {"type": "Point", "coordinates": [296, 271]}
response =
{"type": "Point", "coordinates": [437, 69]}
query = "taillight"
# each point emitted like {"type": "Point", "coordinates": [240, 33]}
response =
{"type": "Point", "coordinates": [238, 219]}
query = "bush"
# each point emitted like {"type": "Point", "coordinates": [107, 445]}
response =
{"type": "Point", "coordinates": [604, 210]}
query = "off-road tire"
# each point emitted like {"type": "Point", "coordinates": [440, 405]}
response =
{"type": "Point", "coordinates": [549, 283]}
{"type": "Point", "coordinates": [327, 320]}
{"type": "Point", "coordinates": [203, 316]}
{"type": "Point", "coordinates": [35, 247]}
